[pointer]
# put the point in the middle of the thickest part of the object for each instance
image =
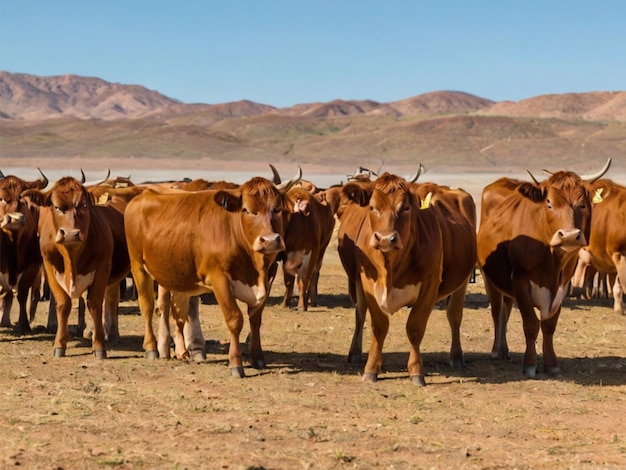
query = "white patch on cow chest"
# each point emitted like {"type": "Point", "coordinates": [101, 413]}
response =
{"type": "Point", "coordinates": [75, 285]}
{"type": "Point", "coordinates": [392, 300]}
{"type": "Point", "coordinates": [542, 299]}
{"type": "Point", "coordinates": [251, 295]}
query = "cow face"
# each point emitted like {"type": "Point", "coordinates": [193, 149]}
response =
{"type": "Point", "coordinates": [297, 200]}
{"type": "Point", "coordinates": [261, 207]}
{"type": "Point", "coordinates": [70, 205]}
{"type": "Point", "coordinates": [390, 204]}
{"type": "Point", "coordinates": [12, 208]}
{"type": "Point", "coordinates": [566, 205]}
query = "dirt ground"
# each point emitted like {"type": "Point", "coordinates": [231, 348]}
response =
{"type": "Point", "coordinates": [309, 407]}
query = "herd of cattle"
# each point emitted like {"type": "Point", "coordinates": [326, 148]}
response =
{"type": "Point", "coordinates": [402, 244]}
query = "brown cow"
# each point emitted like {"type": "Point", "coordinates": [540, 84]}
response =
{"type": "Point", "coordinates": [607, 243]}
{"type": "Point", "coordinates": [528, 243]}
{"type": "Point", "coordinates": [219, 240]}
{"type": "Point", "coordinates": [401, 250]}
{"type": "Point", "coordinates": [307, 236]}
{"type": "Point", "coordinates": [20, 258]}
{"type": "Point", "coordinates": [84, 249]}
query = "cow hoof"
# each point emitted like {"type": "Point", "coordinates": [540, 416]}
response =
{"type": "Point", "coordinates": [237, 372]}
{"type": "Point", "coordinates": [198, 355]}
{"type": "Point", "coordinates": [457, 363]}
{"type": "Point", "coordinates": [152, 354]}
{"type": "Point", "coordinates": [553, 371]}
{"type": "Point", "coordinates": [370, 377]}
{"type": "Point", "coordinates": [58, 352]}
{"type": "Point", "coordinates": [100, 353]}
{"type": "Point", "coordinates": [530, 371]}
{"type": "Point", "coordinates": [418, 380]}
{"type": "Point", "coordinates": [259, 364]}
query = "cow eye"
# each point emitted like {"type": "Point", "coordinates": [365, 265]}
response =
{"type": "Point", "coordinates": [276, 210]}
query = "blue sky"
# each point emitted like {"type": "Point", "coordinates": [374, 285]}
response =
{"type": "Point", "coordinates": [285, 52]}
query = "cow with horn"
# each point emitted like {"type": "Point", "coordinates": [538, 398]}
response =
{"type": "Point", "coordinates": [528, 243]}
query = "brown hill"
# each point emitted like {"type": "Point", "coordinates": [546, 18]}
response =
{"type": "Point", "coordinates": [24, 96]}
{"type": "Point", "coordinates": [95, 119]}
{"type": "Point", "coordinates": [441, 102]}
{"type": "Point", "coordinates": [593, 106]}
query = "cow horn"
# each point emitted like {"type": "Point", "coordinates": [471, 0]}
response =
{"type": "Point", "coordinates": [107, 177]}
{"type": "Point", "coordinates": [596, 176]}
{"type": "Point", "coordinates": [284, 187]}
{"type": "Point", "coordinates": [420, 170]}
{"type": "Point", "coordinates": [532, 176]}
{"type": "Point", "coordinates": [44, 181]}
{"type": "Point", "coordinates": [2, 175]}
{"type": "Point", "coordinates": [276, 179]}
{"type": "Point", "coordinates": [84, 178]}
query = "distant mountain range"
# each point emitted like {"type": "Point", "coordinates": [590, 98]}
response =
{"type": "Point", "coordinates": [82, 116]}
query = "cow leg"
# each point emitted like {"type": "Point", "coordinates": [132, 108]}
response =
{"type": "Point", "coordinates": [145, 293]}
{"type": "Point", "coordinates": [415, 329]}
{"type": "Point", "coordinates": [455, 317]}
{"type": "Point", "coordinates": [548, 327]}
{"type": "Point", "coordinates": [380, 327]}
{"type": "Point", "coordinates": [289, 285]}
{"type": "Point", "coordinates": [35, 297]}
{"type": "Point", "coordinates": [531, 325]}
{"type": "Point", "coordinates": [192, 331]}
{"type": "Point", "coordinates": [234, 322]}
{"type": "Point", "coordinates": [255, 317]}
{"type": "Point", "coordinates": [95, 299]}
{"type": "Point", "coordinates": [52, 324]}
{"type": "Point", "coordinates": [63, 309]}
{"type": "Point", "coordinates": [22, 299]}
{"type": "Point", "coordinates": [356, 347]}
{"type": "Point", "coordinates": [7, 303]}
{"type": "Point", "coordinates": [306, 273]}
{"type": "Point", "coordinates": [500, 312]}
{"type": "Point", "coordinates": [312, 294]}
{"type": "Point", "coordinates": [618, 295]}
{"type": "Point", "coordinates": [163, 333]}
{"type": "Point", "coordinates": [619, 287]}
{"type": "Point", "coordinates": [303, 292]}
{"type": "Point", "coordinates": [111, 312]}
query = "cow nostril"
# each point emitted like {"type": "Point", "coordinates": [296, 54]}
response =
{"type": "Point", "coordinates": [561, 233]}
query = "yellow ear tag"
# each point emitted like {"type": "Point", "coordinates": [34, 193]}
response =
{"type": "Point", "coordinates": [597, 197]}
{"type": "Point", "coordinates": [103, 199]}
{"type": "Point", "coordinates": [426, 201]}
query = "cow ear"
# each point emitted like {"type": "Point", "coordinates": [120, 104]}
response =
{"type": "Point", "coordinates": [533, 192]}
{"type": "Point", "coordinates": [34, 197]}
{"type": "Point", "coordinates": [227, 201]}
{"type": "Point", "coordinates": [358, 193]}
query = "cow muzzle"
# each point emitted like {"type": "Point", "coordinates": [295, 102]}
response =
{"type": "Point", "coordinates": [386, 242]}
{"type": "Point", "coordinates": [65, 235]}
{"type": "Point", "coordinates": [13, 221]}
{"type": "Point", "coordinates": [568, 240]}
{"type": "Point", "coordinates": [269, 244]}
